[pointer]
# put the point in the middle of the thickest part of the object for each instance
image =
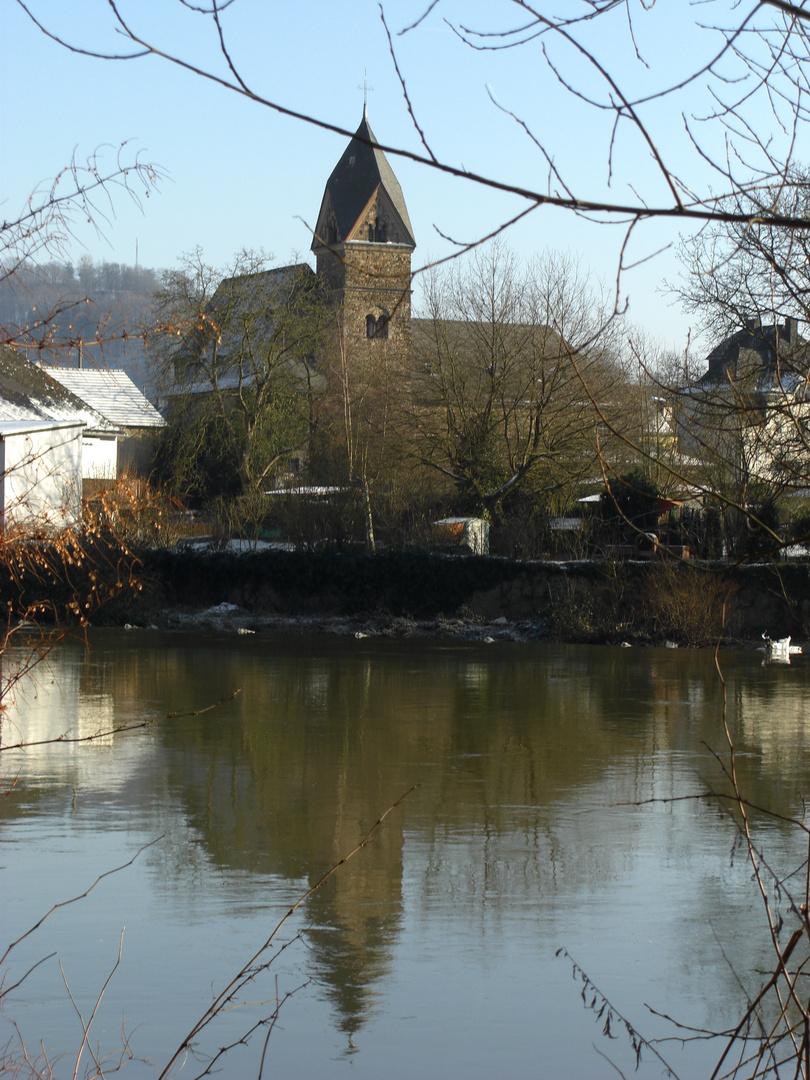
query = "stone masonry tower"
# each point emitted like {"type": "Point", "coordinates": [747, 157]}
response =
{"type": "Point", "coordinates": [363, 243]}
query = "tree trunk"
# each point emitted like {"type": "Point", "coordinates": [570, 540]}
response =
{"type": "Point", "coordinates": [370, 544]}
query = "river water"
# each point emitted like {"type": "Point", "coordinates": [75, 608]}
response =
{"type": "Point", "coordinates": [547, 814]}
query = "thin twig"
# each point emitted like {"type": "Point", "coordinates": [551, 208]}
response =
{"type": "Point", "coordinates": [246, 972]}
{"type": "Point", "coordinates": [73, 900]}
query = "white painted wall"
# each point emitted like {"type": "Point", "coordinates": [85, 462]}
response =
{"type": "Point", "coordinates": [99, 458]}
{"type": "Point", "coordinates": [41, 474]}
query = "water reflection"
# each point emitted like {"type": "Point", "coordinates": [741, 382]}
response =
{"type": "Point", "coordinates": [521, 755]}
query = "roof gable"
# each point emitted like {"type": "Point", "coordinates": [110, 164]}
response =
{"type": "Point", "coordinates": [380, 210]}
{"type": "Point", "coordinates": [770, 355]}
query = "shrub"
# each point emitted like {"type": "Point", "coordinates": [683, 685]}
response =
{"type": "Point", "coordinates": [687, 605]}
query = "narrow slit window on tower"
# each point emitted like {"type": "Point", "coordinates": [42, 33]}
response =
{"type": "Point", "coordinates": [378, 232]}
{"type": "Point", "coordinates": [371, 326]}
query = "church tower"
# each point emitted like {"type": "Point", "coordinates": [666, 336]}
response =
{"type": "Point", "coordinates": [363, 243]}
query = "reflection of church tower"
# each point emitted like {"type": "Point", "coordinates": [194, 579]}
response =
{"type": "Point", "coordinates": [363, 243]}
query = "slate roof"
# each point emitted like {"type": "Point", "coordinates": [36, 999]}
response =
{"type": "Point", "coordinates": [264, 288]}
{"type": "Point", "coordinates": [112, 394]}
{"type": "Point", "coordinates": [777, 357]}
{"type": "Point", "coordinates": [467, 335]}
{"type": "Point", "coordinates": [261, 294]}
{"type": "Point", "coordinates": [241, 300]}
{"type": "Point", "coordinates": [354, 181]}
{"type": "Point", "coordinates": [28, 393]}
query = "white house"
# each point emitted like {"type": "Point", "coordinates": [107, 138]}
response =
{"type": "Point", "coordinates": [28, 395]}
{"type": "Point", "coordinates": [747, 420]}
{"type": "Point", "coordinates": [40, 474]}
{"type": "Point", "coordinates": [114, 396]}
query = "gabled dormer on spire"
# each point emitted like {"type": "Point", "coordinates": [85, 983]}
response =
{"type": "Point", "coordinates": [363, 243]}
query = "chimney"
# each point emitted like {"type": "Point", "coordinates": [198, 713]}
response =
{"type": "Point", "coordinates": [790, 331]}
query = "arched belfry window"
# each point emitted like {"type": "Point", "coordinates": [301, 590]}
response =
{"type": "Point", "coordinates": [377, 326]}
{"type": "Point", "coordinates": [378, 231]}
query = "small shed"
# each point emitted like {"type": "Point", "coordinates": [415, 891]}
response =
{"type": "Point", "coordinates": [40, 474]}
{"type": "Point", "coordinates": [113, 395]}
{"type": "Point", "coordinates": [469, 532]}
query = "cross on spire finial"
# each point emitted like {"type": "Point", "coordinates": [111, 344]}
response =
{"type": "Point", "coordinates": [365, 88]}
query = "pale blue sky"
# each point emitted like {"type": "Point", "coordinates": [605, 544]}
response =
{"type": "Point", "coordinates": [242, 176]}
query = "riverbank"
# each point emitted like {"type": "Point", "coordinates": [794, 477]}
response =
{"type": "Point", "coordinates": [234, 619]}
{"type": "Point", "coordinates": [423, 594]}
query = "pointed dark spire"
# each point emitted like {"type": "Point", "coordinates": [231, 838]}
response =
{"type": "Point", "coordinates": [355, 180]}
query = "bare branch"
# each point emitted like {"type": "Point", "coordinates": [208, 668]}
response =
{"type": "Point", "coordinates": [249, 970]}
{"type": "Point", "coordinates": [66, 903]}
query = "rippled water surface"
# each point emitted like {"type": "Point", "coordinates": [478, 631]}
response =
{"type": "Point", "coordinates": [542, 819]}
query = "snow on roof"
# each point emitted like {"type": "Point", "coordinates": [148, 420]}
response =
{"type": "Point", "coordinates": [24, 427]}
{"type": "Point", "coordinates": [112, 394]}
{"type": "Point", "coordinates": [36, 411]}
{"type": "Point", "coordinates": [29, 395]}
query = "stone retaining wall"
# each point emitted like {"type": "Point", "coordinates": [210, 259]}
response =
{"type": "Point", "coordinates": [579, 600]}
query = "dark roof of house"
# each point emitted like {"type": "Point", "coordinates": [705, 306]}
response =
{"type": "Point", "coordinates": [263, 290]}
{"type": "Point", "coordinates": [27, 392]}
{"type": "Point", "coordinates": [470, 334]}
{"type": "Point", "coordinates": [361, 170]}
{"type": "Point", "coordinates": [775, 354]}
{"type": "Point", "coordinates": [244, 303]}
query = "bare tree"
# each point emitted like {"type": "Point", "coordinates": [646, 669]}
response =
{"type": "Point", "coordinates": [743, 422]}
{"type": "Point", "coordinates": [42, 235]}
{"type": "Point", "coordinates": [505, 371]}
{"type": "Point", "coordinates": [361, 415]}
{"type": "Point", "coordinates": [752, 274]}
{"type": "Point", "coordinates": [236, 354]}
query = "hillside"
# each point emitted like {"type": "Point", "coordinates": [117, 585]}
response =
{"type": "Point", "coordinates": [94, 315]}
